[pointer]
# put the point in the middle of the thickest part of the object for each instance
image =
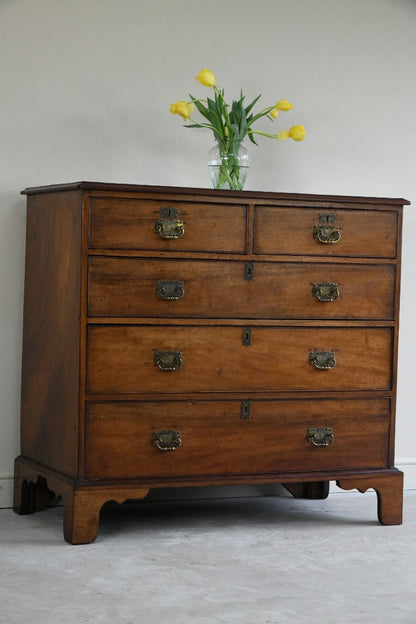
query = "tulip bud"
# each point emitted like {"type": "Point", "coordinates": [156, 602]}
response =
{"type": "Point", "coordinates": [181, 108]}
{"type": "Point", "coordinates": [283, 135]}
{"type": "Point", "coordinates": [284, 105]}
{"type": "Point", "coordinates": [297, 133]}
{"type": "Point", "coordinates": [206, 77]}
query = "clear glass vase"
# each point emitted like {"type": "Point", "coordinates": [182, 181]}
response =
{"type": "Point", "coordinates": [228, 164]}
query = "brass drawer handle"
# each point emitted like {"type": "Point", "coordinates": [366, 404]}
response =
{"type": "Point", "coordinates": [325, 291]}
{"type": "Point", "coordinates": [170, 290]}
{"type": "Point", "coordinates": [166, 440]}
{"type": "Point", "coordinates": [322, 360]}
{"type": "Point", "coordinates": [167, 360]}
{"type": "Point", "coordinates": [170, 228]}
{"type": "Point", "coordinates": [320, 436]}
{"type": "Point", "coordinates": [327, 234]}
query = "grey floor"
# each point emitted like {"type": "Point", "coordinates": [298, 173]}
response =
{"type": "Point", "coordinates": [262, 560]}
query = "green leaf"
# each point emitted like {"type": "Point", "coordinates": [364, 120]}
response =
{"type": "Point", "coordinates": [234, 132]}
{"type": "Point", "coordinates": [250, 106]}
{"type": "Point", "coordinates": [197, 125]}
{"type": "Point", "coordinates": [214, 118]}
{"type": "Point", "coordinates": [262, 113]}
{"type": "Point", "coordinates": [250, 136]}
{"type": "Point", "coordinates": [200, 107]}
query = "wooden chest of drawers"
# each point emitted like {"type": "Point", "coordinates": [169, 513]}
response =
{"type": "Point", "coordinates": [179, 337]}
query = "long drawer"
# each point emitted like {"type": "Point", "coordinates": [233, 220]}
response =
{"type": "Point", "coordinates": [130, 287]}
{"type": "Point", "coordinates": [173, 359]}
{"type": "Point", "coordinates": [326, 231]}
{"type": "Point", "coordinates": [121, 223]}
{"type": "Point", "coordinates": [174, 438]}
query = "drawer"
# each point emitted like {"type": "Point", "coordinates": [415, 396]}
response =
{"type": "Point", "coordinates": [325, 232]}
{"type": "Point", "coordinates": [175, 359]}
{"type": "Point", "coordinates": [124, 440]}
{"type": "Point", "coordinates": [131, 287]}
{"type": "Point", "coordinates": [118, 223]}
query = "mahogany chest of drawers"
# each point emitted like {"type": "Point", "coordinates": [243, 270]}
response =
{"type": "Point", "coordinates": [185, 337]}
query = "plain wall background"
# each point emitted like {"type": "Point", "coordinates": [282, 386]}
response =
{"type": "Point", "coordinates": [85, 93]}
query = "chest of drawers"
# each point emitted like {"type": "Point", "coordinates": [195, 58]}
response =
{"type": "Point", "coordinates": [185, 337]}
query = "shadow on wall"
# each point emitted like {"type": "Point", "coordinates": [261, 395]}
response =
{"type": "Point", "coordinates": [12, 244]}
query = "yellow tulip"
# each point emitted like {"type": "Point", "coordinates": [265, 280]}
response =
{"type": "Point", "coordinates": [274, 113]}
{"type": "Point", "coordinates": [297, 133]}
{"type": "Point", "coordinates": [181, 108]}
{"type": "Point", "coordinates": [206, 77]}
{"type": "Point", "coordinates": [284, 105]}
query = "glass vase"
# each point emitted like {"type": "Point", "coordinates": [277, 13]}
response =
{"type": "Point", "coordinates": [228, 164]}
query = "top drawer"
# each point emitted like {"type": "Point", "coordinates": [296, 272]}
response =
{"type": "Point", "coordinates": [325, 232]}
{"type": "Point", "coordinates": [118, 223]}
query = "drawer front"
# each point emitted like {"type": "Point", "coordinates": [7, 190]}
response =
{"type": "Point", "coordinates": [154, 225]}
{"type": "Point", "coordinates": [174, 359]}
{"type": "Point", "coordinates": [130, 287]}
{"type": "Point", "coordinates": [127, 440]}
{"type": "Point", "coordinates": [326, 232]}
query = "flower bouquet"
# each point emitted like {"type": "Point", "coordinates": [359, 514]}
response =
{"type": "Point", "coordinates": [228, 162]}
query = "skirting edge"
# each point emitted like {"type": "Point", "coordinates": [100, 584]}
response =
{"type": "Point", "coordinates": [406, 464]}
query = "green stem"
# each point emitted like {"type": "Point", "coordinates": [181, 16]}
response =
{"type": "Point", "coordinates": [262, 113]}
{"type": "Point", "coordinates": [229, 175]}
{"type": "Point", "coordinates": [199, 124]}
{"type": "Point", "coordinates": [266, 134]}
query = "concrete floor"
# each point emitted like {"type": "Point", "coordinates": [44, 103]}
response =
{"type": "Point", "coordinates": [264, 560]}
